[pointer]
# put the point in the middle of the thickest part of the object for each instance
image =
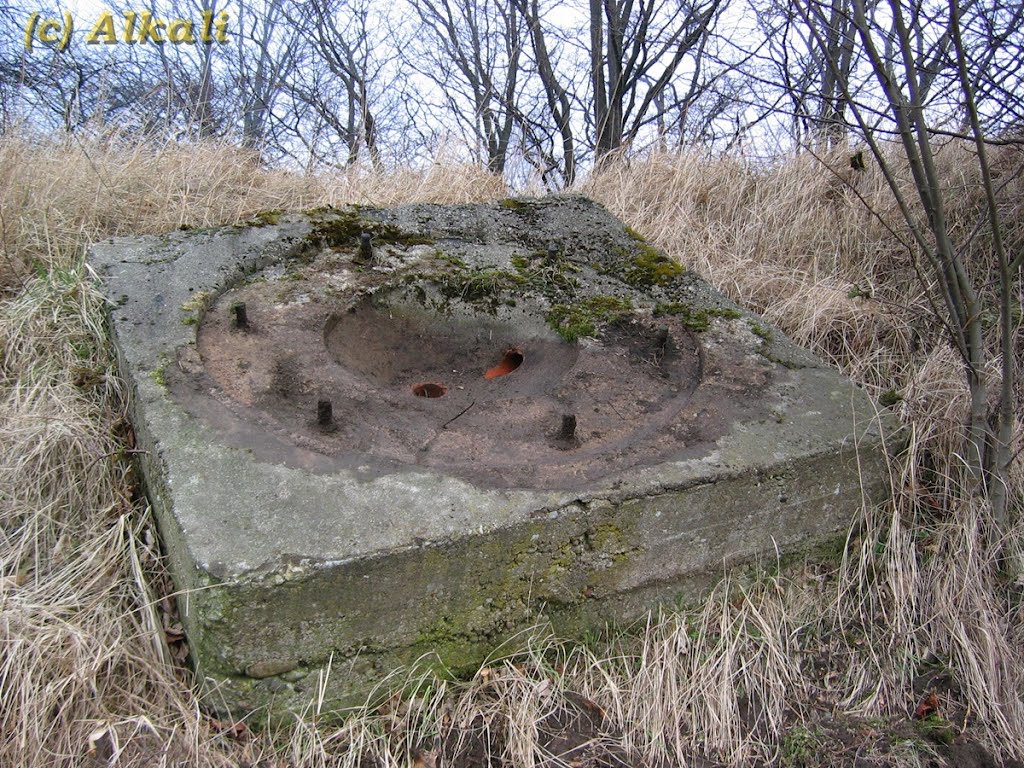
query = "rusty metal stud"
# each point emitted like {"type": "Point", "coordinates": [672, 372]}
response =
{"type": "Point", "coordinates": [568, 430]}
{"type": "Point", "coordinates": [324, 414]}
{"type": "Point", "coordinates": [241, 318]}
{"type": "Point", "coordinates": [661, 341]}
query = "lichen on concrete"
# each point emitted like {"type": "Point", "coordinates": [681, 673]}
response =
{"type": "Point", "coordinates": [295, 547]}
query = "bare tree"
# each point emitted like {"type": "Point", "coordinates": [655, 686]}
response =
{"type": "Point", "coordinates": [471, 50]}
{"type": "Point", "coordinates": [190, 77]}
{"type": "Point", "coordinates": [912, 52]}
{"type": "Point", "coordinates": [267, 49]}
{"type": "Point", "coordinates": [813, 67]}
{"type": "Point", "coordinates": [636, 49]}
{"type": "Point", "coordinates": [633, 53]}
{"type": "Point", "coordinates": [556, 115]}
{"type": "Point", "coordinates": [994, 61]}
{"type": "Point", "coordinates": [709, 104]}
{"type": "Point", "coordinates": [334, 85]}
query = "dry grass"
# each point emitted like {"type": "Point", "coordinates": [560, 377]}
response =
{"type": "Point", "coordinates": [55, 197]}
{"type": "Point", "coordinates": [747, 676]}
{"type": "Point", "coordinates": [797, 243]}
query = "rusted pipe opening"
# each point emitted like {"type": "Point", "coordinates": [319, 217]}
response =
{"type": "Point", "coordinates": [429, 389]}
{"type": "Point", "coordinates": [511, 360]}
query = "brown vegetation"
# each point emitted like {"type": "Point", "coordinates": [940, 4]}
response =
{"type": "Point", "coordinates": [908, 644]}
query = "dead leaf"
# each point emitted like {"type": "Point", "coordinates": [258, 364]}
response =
{"type": "Point", "coordinates": [591, 707]}
{"type": "Point", "coordinates": [390, 705]}
{"type": "Point", "coordinates": [929, 705]}
{"type": "Point", "coordinates": [179, 651]}
{"type": "Point", "coordinates": [424, 759]}
{"type": "Point", "coordinates": [233, 730]}
{"type": "Point", "coordinates": [174, 633]}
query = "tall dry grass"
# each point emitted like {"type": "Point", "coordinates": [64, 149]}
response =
{"type": "Point", "coordinates": [750, 675]}
{"type": "Point", "coordinates": [56, 196]}
{"type": "Point", "coordinates": [85, 670]}
{"type": "Point", "coordinates": [821, 250]}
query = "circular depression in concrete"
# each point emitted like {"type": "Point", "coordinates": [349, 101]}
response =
{"type": "Point", "coordinates": [391, 380]}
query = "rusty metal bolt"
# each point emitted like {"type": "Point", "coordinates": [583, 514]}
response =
{"type": "Point", "coordinates": [568, 430]}
{"type": "Point", "coordinates": [241, 318]}
{"type": "Point", "coordinates": [324, 414]}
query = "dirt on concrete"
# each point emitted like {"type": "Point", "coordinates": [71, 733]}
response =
{"type": "Point", "coordinates": [384, 379]}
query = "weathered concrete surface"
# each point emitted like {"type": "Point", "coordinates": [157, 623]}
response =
{"type": "Point", "coordinates": [294, 548]}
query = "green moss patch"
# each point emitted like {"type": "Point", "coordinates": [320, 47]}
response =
{"type": "Point", "coordinates": [889, 398]}
{"type": "Point", "coordinates": [343, 229]}
{"type": "Point", "coordinates": [159, 374]}
{"type": "Point", "coordinates": [694, 319]}
{"type": "Point", "coordinates": [450, 259]}
{"type": "Point", "coordinates": [198, 304]}
{"type": "Point", "coordinates": [761, 332]}
{"type": "Point", "coordinates": [583, 318]}
{"type": "Point", "coordinates": [266, 218]}
{"type": "Point", "coordinates": [513, 204]}
{"type": "Point", "coordinates": [546, 275]}
{"type": "Point", "coordinates": [645, 268]}
{"type": "Point", "coordinates": [635, 235]}
{"type": "Point", "coordinates": [937, 729]}
{"type": "Point", "coordinates": [477, 285]}
{"type": "Point", "coordinates": [521, 264]}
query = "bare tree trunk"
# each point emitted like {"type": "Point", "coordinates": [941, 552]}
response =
{"type": "Point", "coordinates": [905, 72]}
{"type": "Point", "coordinates": [556, 96]}
{"type": "Point", "coordinates": [998, 463]}
{"type": "Point", "coordinates": [838, 51]}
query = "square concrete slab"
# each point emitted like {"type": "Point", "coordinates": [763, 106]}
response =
{"type": "Point", "coordinates": [370, 435]}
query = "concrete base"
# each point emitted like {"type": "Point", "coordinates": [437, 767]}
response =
{"type": "Point", "coordinates": [296, 544]}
